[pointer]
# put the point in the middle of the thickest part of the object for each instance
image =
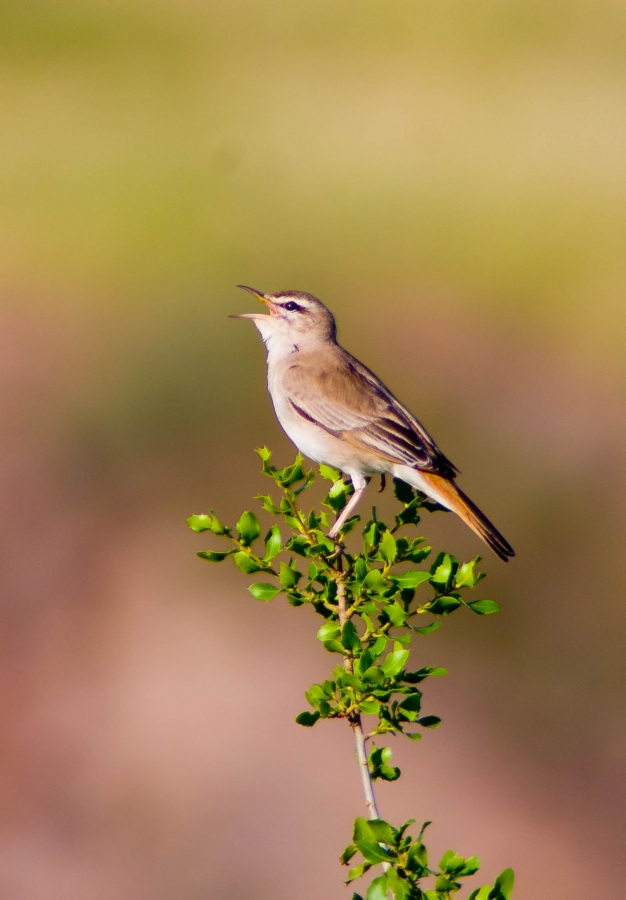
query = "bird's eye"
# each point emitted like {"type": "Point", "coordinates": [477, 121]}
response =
{"type": "Point", "coordinates": [291, 306]}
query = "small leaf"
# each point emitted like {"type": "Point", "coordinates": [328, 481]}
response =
{"type": "Point", "coordinates": [387, 548]}
{"type": "Point", "coordinates": [403, 491]}
{"type": "Point", "coordinates": [268, 504]}
{"type": "Point", "coordinates": [273, 543]}
{"type": "Point", "coordinates": [291, 474]}
{"type": "Point", "coordinates": [428, 629]}
{"type": "Point", "coordinates": [329, 473]}
{"type": "Point", "coordinates": [288, 576]}
{"type": "Point", "coordinates": [248, 528]}
{"type": "Point", "coordinates": [429, 721]}
{"type": "Point", "coordinates": [481, 893]}
{"type": "Point", "coordinates": [484, 607]}
{"type": "Point", "coordinates": [308, 719]}
{"type": "Point", "coordinates": [377, 889]}
{"type": "Point", "coordinates": [328, 631]}
{"type": "Point", "coordinates": [214, 555]}
{"type": "Point", "coordinates": [381, 831]}
{"type": "Point", "coordinates": [333, 646]}
{"type": "Point", "coordinates": [396, 614]}
{"type": "Point", "coordinates": [395, 662]}
{"type": "Point", "coordinates": [411, 579]}
{"type": "Point", "coordinates": [245, 562]}
{"type": "Point", "coordinates": [355, 873]}
{"type": "Point", "coordinates": [503, 886]}
{"type": "Point", "coordinates": [262, 591]}
{"type": "Point", "coordinates": [349, 636]}
{"type": "Point", "coordinates": [411, 706]}
{"type": "Point", "coordinates": [465, 576]}
{"type": "Point", "coordinates": [374, 581]}
{"type": "Point", "coordinates": [207, 523]}
{"type": "Point", "coordinates": [199, 523]}
{"type": "Point", "coordinates": [369, 707]}
{"type": "Point", "coordinates": [442, 606]}
{"type": "Point", "coordinates": [443, 569]}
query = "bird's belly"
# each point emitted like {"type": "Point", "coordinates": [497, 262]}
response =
{"type": "Point", "coordinates": [322, 447]}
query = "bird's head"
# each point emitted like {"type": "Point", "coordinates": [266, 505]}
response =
{"type": "Point", "coordinates": [292, 316]}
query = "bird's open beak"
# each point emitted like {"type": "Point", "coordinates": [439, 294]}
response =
{"type": "Point", "coordinates": [272, 309]}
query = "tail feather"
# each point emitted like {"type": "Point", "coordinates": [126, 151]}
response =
{"type": "Point", "coordinates": [452, 497]}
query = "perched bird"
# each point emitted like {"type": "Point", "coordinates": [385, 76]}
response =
{"type": "Point", "coordinates": [336, 411]}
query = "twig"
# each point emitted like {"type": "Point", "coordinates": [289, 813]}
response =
{"type": "Point", "coordinates": [355, 717]}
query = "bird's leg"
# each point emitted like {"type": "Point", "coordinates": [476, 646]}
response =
{"type": "Point", "coordinates": [383, 483]}
{"type": "Point", "coordinates": [347, 510]}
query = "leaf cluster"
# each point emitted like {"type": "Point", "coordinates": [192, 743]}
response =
{"type": "Point", "coordinates": [374, 598]}
{"type": "Point", "coordinates": [405, 862]}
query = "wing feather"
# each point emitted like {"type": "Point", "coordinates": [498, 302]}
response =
{"type": "Point", "coordinates": [342, 396]}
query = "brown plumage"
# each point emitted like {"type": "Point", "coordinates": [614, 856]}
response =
{"type": "Point", "coordinates": [336, 411]}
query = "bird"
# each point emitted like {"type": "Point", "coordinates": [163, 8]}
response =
{"type": "Point", "coordinates": [338, 412]}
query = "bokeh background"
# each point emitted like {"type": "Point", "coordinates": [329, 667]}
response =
{"type": "Point", "coordinates": [450, 178]}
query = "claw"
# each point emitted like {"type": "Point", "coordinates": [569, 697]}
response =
{"type": "Point", "coordinates": [383, 483]}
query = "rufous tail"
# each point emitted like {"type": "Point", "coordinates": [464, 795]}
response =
{"type": "Point", "coordinates": [449, 495]}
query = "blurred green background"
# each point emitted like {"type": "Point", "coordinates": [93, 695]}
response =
{"type": "Point", "coordinates": [450, 178]}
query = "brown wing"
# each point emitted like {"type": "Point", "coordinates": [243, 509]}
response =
{"type": "Point", "coordinates": [338, 393]}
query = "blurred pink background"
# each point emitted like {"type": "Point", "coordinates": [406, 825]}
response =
{"type": "Point", "coordinates": [450, 180]}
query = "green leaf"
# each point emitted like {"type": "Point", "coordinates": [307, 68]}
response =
{"type": "Point", "coordinates": [338, 495]}
{"type": "Point", "coordinates": [411, 706]}
{"type": "Point", "coordinates": [381, 831]}
{"type": "Point", "coordinates": [417, 860]}
{"type": "Point", "coordinates": [379, 767]}
{"type": "Point", "coordinates": [465, 576]}
{"type": "Point", "coordinates": [273, 543]}
{"type": "Point", "coordinates": [288, 576]}
{"type": "Point", "coordinates": [442, 606]}
{"type": "Point", "coordinates": [429, 721]}
{"type": "Point", "coordinates": [503, 886]}
{"type": "Point", "coordinates": [349, 636]}
{"type": "Point", "coordinates": [395, 662]}
{"type": "Point", "coordinates": [298, 544]}
{"type": "Point", "coordinates": [443, 569]}
{"type": "Point", "coordinates": [371, 851]}
{"type": "Point", "coordinates": [246, 563]}
{"type": "Point", "coordinates": [291, 474]}
{"type": "Point", "coordinates": [262, 591]}
{"type": "Point", "coordinates": [424, 672]}
{"type": "Point", "coordinates": [403, 491]}
{"type": "Point", "coordinates": [371, 535]}
{"type": "Point", "coordinates": [329, 631]}
{"type": "Point", "coordinates": [411, 579]}
{"type": "Point", "coordinates": [369, 707]}
{"type": "Point", "coordinates": [329, 473]}
{"type": "Point", "coordinates": [268, 504]}
{"type": "Point", "coordinates": [396, 885]}
{"type": "Point", "coordinates": [378, 889]}
{"type": "Point", "coordinates": [308, 719]}
{"type": "Point", "coordinates": [484, 607]}
{"type": "Point", "coordinates": [387, 548]}
{"type": "Point", "coordinates": [210, 522]}
{"type": "Point", "coordinates": [428, 629]}
{"type": "Point", "coordinates": [374, 675]}
{"type": "Point", "coordinates": [248, 528]}
{"type": "Point", "coordinates": [200, 523]}
{"type": "Point", "coordinates": [374, 581]}
{"type": "Point", "coordinates": [396, 614]}
{"type": "Point", "coordinates": [356, 872]}
{"type": "Point", "coordinates": [214, 555]}
{"type": "Point", "coordinates": [347, 854]}
{"type": "Point", "coordinates": [481, 893]}
{"type": "Point", "coordinates": [264, 453]}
